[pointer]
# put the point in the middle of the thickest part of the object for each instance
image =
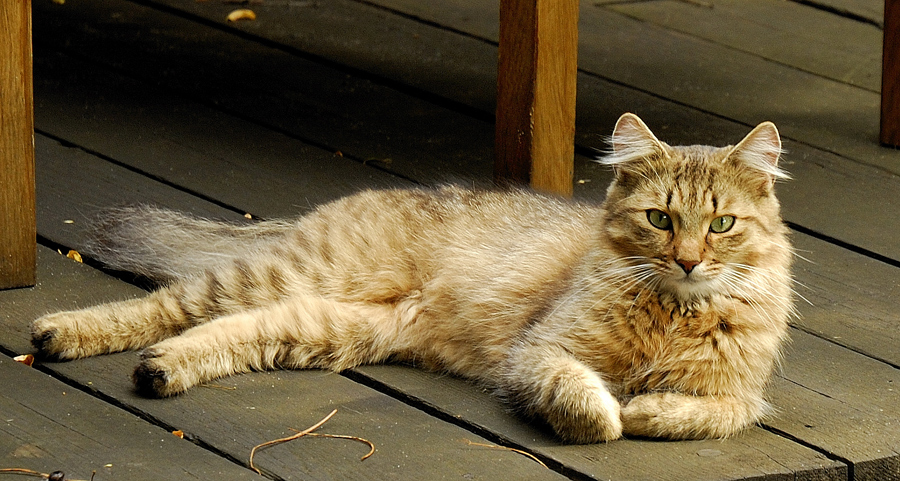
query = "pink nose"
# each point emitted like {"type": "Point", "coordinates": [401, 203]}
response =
{"type": "Point", "coordinates": [687, 266]}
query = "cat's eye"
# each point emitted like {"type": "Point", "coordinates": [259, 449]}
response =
{"type": "Point", "coordinates": [659, 219]}
{"type": "Point", "coordinates": [722, 224]}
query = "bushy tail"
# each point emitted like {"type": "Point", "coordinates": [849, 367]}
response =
{"type": "Point", "coordinates": [165, 245]}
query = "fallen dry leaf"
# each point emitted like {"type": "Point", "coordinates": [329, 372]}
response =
{"type": "Point", "coordinates": [75, 256]}
{"type": "Point", "coordinates": [241, 14]}
{"type": "Point", "coordinates": [26, 359]}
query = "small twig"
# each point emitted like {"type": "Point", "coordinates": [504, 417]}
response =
{"type": "Point", "coordinates": [344, 436]}
{"type": "Point", "coordinates": [26, 472]}
{"type": "Point", "coordinates": [219, 386]}
{"type": "Point", "coordinates": [494, 446]}
{"type": "Point", "coordinates": [309, 432]}
{"type": "Point", "coordinates": [54, 476]}
{"type": "Point", "coordinates": [289, 438]}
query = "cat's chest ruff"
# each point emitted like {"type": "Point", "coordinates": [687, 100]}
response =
{"type": "Point", "coordinates": [659, 319]}
{"type": "Point", "coordinates": [666, 344]}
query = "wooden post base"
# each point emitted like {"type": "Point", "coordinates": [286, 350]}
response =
{"type": "Point", "coordinates": [536, 94]}
{"type": "Point", "coordinates": [17, 203]}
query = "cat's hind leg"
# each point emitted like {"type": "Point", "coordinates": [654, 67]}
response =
{"type": "Point", "coordinates": [300, 332]}
{"type": "Point", "coordinates": [107, 328]}
{"type": "Point", "coordinates": [134, 324]}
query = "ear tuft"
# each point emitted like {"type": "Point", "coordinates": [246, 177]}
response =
{"type": "Point", "coordinates": [761, 150]}
{"type": "Point", "coordinates": [631, 140]}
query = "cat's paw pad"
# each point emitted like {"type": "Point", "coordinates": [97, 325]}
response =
{"type": "Point", "coordinates": [54, 338]}
{"type": "Point", "coordinates": [152, 378]}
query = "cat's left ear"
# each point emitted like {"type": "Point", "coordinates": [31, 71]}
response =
{"type": "Point", "coordinates": [760, 151]}
{"type": "Point", "coordinates": [633, 143]}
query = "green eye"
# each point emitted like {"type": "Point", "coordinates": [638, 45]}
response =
{"type": "Point", "coordinates": [659, 219]}
{"type": "Point", "coordinates": [722, 224]}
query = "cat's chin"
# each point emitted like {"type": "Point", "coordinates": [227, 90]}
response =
{"type": "Point", "coordinates": [691, 288]}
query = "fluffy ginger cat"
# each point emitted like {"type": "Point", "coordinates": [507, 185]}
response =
{"type": "Point", "coordinates": [660, 313]}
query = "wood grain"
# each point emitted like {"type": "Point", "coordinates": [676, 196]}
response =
{"type": "Point", "coordinates": [788, 33]}
{"type": "Point", "coordinates": [535, 130]}
{"type": "Point", "coordinates": [890, 77]}
{"type": "Point", "coordinates": [844, 403]}
{"type": "Point", "coordinates": [50, 426]}
{"type": "Point", "coordinates": [17, 235]}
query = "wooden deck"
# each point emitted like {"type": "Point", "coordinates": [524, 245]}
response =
{"type": "Point", "coordinates": [163, 101]}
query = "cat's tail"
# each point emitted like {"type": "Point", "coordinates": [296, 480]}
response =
{"type": "Point", "coordinates": [165, 245]}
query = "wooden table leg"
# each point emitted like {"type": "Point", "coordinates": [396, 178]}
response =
{"type": "Point", "coordinates": [535, 136]}
{"type": "Point", "coordinates": [17, 202]}
{"type": "Point", "coordinates": [890, 75]}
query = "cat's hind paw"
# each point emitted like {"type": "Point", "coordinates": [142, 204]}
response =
{"type": "Point", "coordinates": [56, 339]}
{"type": "Point", "coordinates": [152, 378]}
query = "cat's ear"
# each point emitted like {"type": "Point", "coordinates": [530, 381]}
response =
{"type": "Point", "coordinates": [631, 141]}
{"type": "Point", "coordinates": [760, 151]}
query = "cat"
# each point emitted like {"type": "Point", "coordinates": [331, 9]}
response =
{"type": "Point", "coordinates": [661, 312]}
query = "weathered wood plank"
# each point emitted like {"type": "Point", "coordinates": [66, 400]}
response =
{"type": "Point", "coordinates": [535, 130]}
{"type": "Point", "coordinates": [17, 237]}
{"type": "Point", "coordinates": [890, 76]}
{"type": "Point", "coordinates": [49, 426]}
{"type": "Point", "coordinates": [180, 139]}
{"type": "Point", "coordinates": [366, 121]}
{"type": "Point", "coordinates": [871, 10]}
{"type": "Point", "coordinates": [755, 454]}
{"type": "Point", "coordinates": [842, 402]}
{"type": "Point", "coordinates": [736, 85]}
{"type": "Point", "coordinates": [851, 298]}
{"type": "Point", "coordinates": [258, 407]}
{"type": "Point", "coordinates": [73, 185]}
{"type": "Point", "coordinates": [785, 32]}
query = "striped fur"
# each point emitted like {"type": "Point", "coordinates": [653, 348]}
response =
{"type": "Point", "coordinates": [590, 317]}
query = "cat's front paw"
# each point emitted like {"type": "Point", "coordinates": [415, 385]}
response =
{"type": "Point", "coordinates": [644, 416]}
{"type": "Point", "coordinates": [585, 413]}
{"type": "Point", "coordinates": [56, 337]}
{"type": "Point", "coordinates": [158, 374]}
{"type": "Point", "coordinates": [679, 416]}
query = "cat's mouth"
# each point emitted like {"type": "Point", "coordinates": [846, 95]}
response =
{"type": "Point", "coordinates": [694, 285]}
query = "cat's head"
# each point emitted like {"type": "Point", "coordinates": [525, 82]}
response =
{"type": "Point", "coordinates": [698, 218]}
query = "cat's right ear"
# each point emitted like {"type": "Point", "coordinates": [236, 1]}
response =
{"type": "Point", "coordinates": [631, 141]}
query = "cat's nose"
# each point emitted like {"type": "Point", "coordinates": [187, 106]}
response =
{"type": "Point", "coordinates": [687, 266]}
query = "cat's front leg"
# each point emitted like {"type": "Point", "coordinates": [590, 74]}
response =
{"type": "Point", "coordinates": [678, 416]}
{"type": "Point", "coordinates": [548, 382]}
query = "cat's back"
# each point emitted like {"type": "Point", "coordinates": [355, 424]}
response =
{"type": "Point", "coordinates": [455, 217]}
